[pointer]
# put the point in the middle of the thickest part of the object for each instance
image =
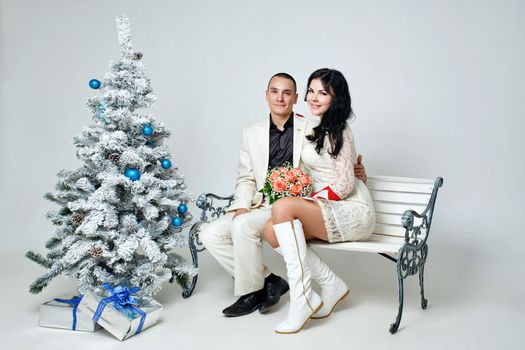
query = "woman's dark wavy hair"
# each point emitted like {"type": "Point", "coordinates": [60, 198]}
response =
{"type": "Point", "coordinates": [334, 119]}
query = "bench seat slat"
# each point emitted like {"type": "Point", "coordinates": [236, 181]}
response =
{"type": "Point", "coordinates": [399, 186]}
{"type": "Point", "coordinates": [371, 246]}
{"type": "Point", "coordinates": [397, 208]}
{"type": "Point", "coordinates": [387, 239]}
{"type": "Point", "coordinates": [390, 230]}
{"type": "Point", "coordinates": [400, 197]}
{"type": "Point", "coordinates": [400, 179]}
{"type": "Point", "coordinates": [389, 219]}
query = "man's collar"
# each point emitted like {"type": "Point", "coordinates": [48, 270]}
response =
{"type": "Point", "coordinates": [289, 122]}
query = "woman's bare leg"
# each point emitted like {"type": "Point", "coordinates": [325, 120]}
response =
{"type": "Point", "coordinates": [291, 208]}
{"type": "Point", "coordinates": [269, 234]}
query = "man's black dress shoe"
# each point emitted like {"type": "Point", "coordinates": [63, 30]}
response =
{"type": "Point", "coordinates": [274, 288]}
{"type": "Point", "coordinates": [245, 305]}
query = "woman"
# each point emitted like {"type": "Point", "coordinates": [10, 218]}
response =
{"type": "Point", "coordinates": [340, 209]}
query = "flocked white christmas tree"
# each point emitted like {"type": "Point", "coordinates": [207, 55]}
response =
{"type": "Point", "coordinates": [123, 211]}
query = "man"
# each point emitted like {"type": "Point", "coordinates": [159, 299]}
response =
{"type": "Point", "coordinates": [235, 239]}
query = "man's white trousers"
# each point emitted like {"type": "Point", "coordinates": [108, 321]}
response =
{"type": "Point", "coordinates": [237, 245]}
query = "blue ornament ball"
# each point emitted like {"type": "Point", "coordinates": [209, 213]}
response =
{"type": "Point", "coordinates": [147, 130]}
{"type": "Point", "coordinates": [165, 163]}
{"type": "Point", "coordinates": [94, 84]}
{"type": "Point", "coordinates": [183, 208]}
{"type": "Point", "coordinates": [176, 221]}
{"type": "Point", "coordinates": [132, 173]}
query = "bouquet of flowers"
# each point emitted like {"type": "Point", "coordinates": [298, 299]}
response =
{"type": "Point", "coordinates": [286, 181]}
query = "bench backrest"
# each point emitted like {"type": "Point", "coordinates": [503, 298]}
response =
{"type": "Point", "coordinates": [392, 196]}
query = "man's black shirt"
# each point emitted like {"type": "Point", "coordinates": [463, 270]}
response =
{"type": "Point", "coordinates": [281, 143]}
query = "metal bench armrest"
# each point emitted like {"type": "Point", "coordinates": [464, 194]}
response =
{"type": "Point", "coordinates": [413, 232]}
{"type": "Point", "coordinates": [206, 202]}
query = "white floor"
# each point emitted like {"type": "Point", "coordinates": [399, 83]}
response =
{"type": "Point", "coordinates": [462, 313]}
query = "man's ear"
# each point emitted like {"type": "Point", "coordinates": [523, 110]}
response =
{"type": "Point", "coordinates": [295, 98]}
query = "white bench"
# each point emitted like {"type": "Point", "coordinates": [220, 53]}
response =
{"type": "Point", "coordinates": [404, 209]}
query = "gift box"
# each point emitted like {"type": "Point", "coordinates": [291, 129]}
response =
{"type": "Point", "coordinates": [64, 313]}
{"type": "Point", "coordinates": [118, 312]}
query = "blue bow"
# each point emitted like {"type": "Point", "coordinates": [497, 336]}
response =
{"type": "Point", "coordinates": [123, 301]}
{"type": "Point", "coordinates": [73, 301]}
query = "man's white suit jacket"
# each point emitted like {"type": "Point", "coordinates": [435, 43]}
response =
{"type": "Point", "coordinates": [254, 157]}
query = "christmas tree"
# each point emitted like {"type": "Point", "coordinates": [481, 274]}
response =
{"type": "Point", "coordinates": [123, 211]}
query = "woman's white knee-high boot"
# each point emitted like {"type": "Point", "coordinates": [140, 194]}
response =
{"type": "Point", "coordinates": [333, 288]}
{"type": "Point", "coordinates": [304, 302]}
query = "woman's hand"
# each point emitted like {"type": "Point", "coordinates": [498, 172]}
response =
{"type": "Point", "coordinates": [359, 169]}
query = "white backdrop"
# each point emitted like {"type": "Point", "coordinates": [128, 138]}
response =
{"type": "Point", "coordinates": [437, 87]}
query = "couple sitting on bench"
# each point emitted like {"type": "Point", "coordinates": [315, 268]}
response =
{"type": "Point", "coordinates": [340, 208]}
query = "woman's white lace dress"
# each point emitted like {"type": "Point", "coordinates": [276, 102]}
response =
{"type": "Point", "coordinates": [351, 218]}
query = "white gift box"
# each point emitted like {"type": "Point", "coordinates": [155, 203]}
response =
{"type": "Point", "coordinates": [121, 325]}
{"type": "Point", "coordinates": [55, 314]}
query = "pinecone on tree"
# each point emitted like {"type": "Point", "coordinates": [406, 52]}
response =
{"type": "Point", "coordinates": [96, 251]}
{"type": "Point", "coordinates": [114, 157]}
{"type": "Point", "coordinates": [138, 55]}
{"type": "Point", "coordinates": [77, 218]}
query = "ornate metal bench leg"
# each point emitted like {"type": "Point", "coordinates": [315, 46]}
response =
{"type": "Point", "coordinates": [424, 301]}
{"type": "Point", "coordinates": [407, 265]}
{"type": "Point", "coordinates": [187, 292]}
{"type": "Point", "coordinates": [394, 326]}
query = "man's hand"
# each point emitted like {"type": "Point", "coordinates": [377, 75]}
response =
{"type": "Point", "coordinates": [239, 212]}
{"type": "Point", "coordinates": [359, 169]}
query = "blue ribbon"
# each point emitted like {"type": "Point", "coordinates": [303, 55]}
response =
{"type": "Point", "coordinates": [123, 301]}
{"type": "Point", "coordinates": [74, 302]}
